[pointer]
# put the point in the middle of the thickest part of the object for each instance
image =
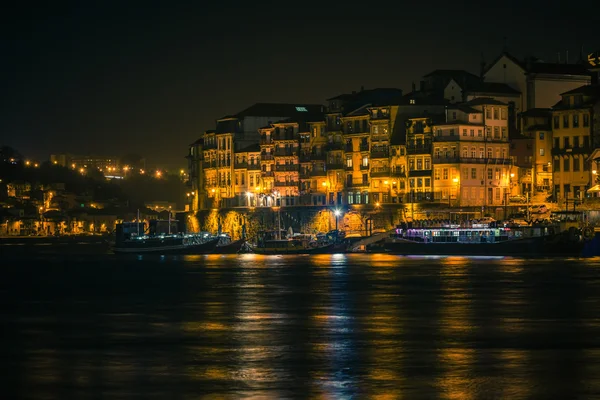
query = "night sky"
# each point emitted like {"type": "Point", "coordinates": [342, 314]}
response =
{"type": "Point", "coordinates": [149, 77]}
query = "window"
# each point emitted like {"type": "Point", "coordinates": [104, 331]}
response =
{"type": "Point", "coordinates": [465, 173]}
{"type": "Point", "coordinates": [481, 153]}
{"type": "Point", "coordinates": [473, 152]}
{"type": "Point", "coordinates": [497, 173]}
{"type": "Point", "coordinates": [504, 132]}
{"type": "Point", "coordinates": [472, 132]}
{"type": "Point", "coordinates": [445, 172]}
{"type": "Point", "coordinates": [565, 121]}
{"type": "Point", "coordinates": [436, 152]}
{"type": "Point", "coordinates": [542, 152]}
{"type": "Point", "coordinates": [465, 153]}
{"type": "Point", "coordinates": [576, 141]}
{"type": "Point", "coordinates": [497, 194]}
{"type": "Point", "coordinates": [541, 135]}
{"type": "Point", "coordinates": [556, 143]}
{"type": "Point", "coordinates": [479, 132]}
{"type": "Point", "coordinates": [452, 132]}
{"type": "Point", "coordinates": [473, 173]}
{"type": "Point", "coordinates": [503, 113]}
{"type": "Point", "coordinates": [427, 163]}
{"type": "Point", "coordinates": [567, 143]}
{"type": "Point", "coordinates": [419, 164]}
{"type": "Point", "coordinates": [576, 121]}
{"type": "Point", "coordinates": [503, 154]}
{"type": "Point", "coordinates": [576, 164]}
{"type": "Point", "coordinates": [488, 113]}
{"type": "Point", "coordinates": [496, 132]}
{"type": "Point", "coordinates": [453, 114]}
{"type": "Point", "coordinates": [412, 101]}
{"type": "Point", "coordinates": [375, 129]}
{"type": "Point", "coordinates": [489, 153]}
{"type": "Point", "coordinates": [567, 164]}
{"type": "Point", "coordinates": [488, 131]}
{"type": "Point", "coordinates": [411, 164]}
{"type": "Point", "coordinates": [496, 110]}
{"type": "Point", "coordinates": [490, 173]}
{"type": "Point", "coordinates": [556, 165]}
{"type": "Point", "coordinates": [586, 120]}
{"type": "Point", "coordinates": [349, 162]}
{"type": "Point", "coordinates": [464, 132]}
{"type": "Point", "coordinates": [419, 182]}
{"type": "Point", "coordinates": [427, 182]}
{"type": "Point", "coordinates": [556, 122]}
{"type": "Point", "coordinates": [436, 174]}
{"type": "Point", "coordinates": [365, 161]}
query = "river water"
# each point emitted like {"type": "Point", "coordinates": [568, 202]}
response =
{"type": "Point", "coordinates": [322, 326]}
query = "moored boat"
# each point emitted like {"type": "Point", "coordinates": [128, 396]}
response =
{"type": "Point", "coordinates": [292, 246]}
{"type": "Point", "coordinates": [482, 240]}
{"type": "Point", "coordinates": [132, 239]}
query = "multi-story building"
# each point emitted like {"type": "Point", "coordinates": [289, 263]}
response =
{"type": "Point", "coordinates": [539, 82]}
{"type": "Point", "coordinates": [419, 138]}
{"type": "Point", "coordinates": [471, 154]}
{"type": "Point", "coordinates": [233, 133]}
{"type": "Point", "coordinates": [575, 134]}
{"type": "Point", "coordinates": [101, 163]}
{"type": "Point", "coordinates": [532, 153]}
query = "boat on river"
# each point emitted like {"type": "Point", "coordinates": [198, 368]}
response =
{"type": "Point", "coordinates": [131, 238]}
{"type": "Point", "coordinates": [482, 240]}
{"type": "Point", "coordinates": [292, 246]}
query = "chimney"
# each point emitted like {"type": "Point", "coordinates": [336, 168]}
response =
{"type": "Point", "coordinates": [422, 86]}
{"type": "Point", "coordinates": [414, 87]}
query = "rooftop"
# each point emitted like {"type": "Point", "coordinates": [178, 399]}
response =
{"type": "Point", "coordinates": [484, 101]}
{"type": "Point", "coordinates": [277, 110]}
{"type": "Point", "coordinates": [585, 90]}
{"type": "Point", "coordinates": [492, 87]}
{"type": "Point", "coordinates": [253, 148]}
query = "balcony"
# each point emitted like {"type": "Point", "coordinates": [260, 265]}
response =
{"type": "Point", "coordinates": [363, 147]}
{"type": "Point", "coordinates": [446, 160]}
{"type": "Point", "coordinates": [422, 149]}
{"type": "Point", "coordinates": [335, 165]}
{"type": "Point", "coordinates": [284, 153]}
{"type": "Point", "coordinates": [380, 172]}
{"type": "Point", "coordinates": [357, 184]}
{"type": "Point", "coordinates": [571, 150]}
{"type": "Point", "coordinates": [496, 161]}
{"type": "Point", "coordinates": [266, 156]}
{"type": "Point", "coordinates": [364, 167]}
{"type": "Point", "coordinates": [334, 146]}
{"type": "Point", "coordinates": [240, 165]}
{"type": "Point", "coordinates": [349, 168]}
{"type": "Point", "coordinates": [318, 172]}
{"type": "Point", "coordinates": [268, 174]}
{"type": "Point", "coordinates": [380, 154]}
{"type": "Point", "coordinates": [286, 167]}
{"type": "Point", "coordinates": [398, 172]}
{"type": "Point", "coordinates": [288, 184]}
{"type": "Point", "coordinates": [253, 167]}
{"type": "Point", "coordinates": [268, 140]}
{"type": "Point", "coordinates": [304, 157]}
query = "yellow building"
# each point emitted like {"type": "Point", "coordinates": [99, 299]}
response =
{"type": "Point", "coordinates": [419, 137]}
{"type": "Point", "coordinates": [471, 155]}
{"type": "Point", "coordinates": [572, 135]}
{"type": "Point", "coordinates": [535, 125]}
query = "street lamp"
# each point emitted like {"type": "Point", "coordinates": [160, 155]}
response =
{"type": "Point", "coordinates": [337, 213]}
{"type": "Point", "coordinates": [455, 181]}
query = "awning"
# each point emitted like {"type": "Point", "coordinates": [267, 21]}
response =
{"type": "Point", "coordinates": [594, 189]}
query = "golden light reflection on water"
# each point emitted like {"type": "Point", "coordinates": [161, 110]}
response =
{"type": "Point", "coordinates": [456, 382]}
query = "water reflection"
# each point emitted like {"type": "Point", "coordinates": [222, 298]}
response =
{"type": "Point", "coordinates": [326, 326]}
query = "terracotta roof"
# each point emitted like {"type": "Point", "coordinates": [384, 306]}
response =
{"type": "Point", "coordinates": [452, 73]}
{"type": "Point", "coordinates": [277, 110]}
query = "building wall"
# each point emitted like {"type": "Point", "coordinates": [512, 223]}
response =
{"type": "Point", "coordinates": [506, 71]}
{"type": "Point", "coordinates": [547, 89]}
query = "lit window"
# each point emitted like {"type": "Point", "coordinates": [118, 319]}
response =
{"type": "Point", "coordinates": [301, 109]}
{"type": "Point", "coordinates": [412, 101]}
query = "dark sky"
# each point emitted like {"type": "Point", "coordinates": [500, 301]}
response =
{"type": "Point", "coordinates": [149, 77]}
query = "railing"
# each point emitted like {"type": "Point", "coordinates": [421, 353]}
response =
{"type": "Point", "coordinates": [304, 157]}
{"type": "Point", "coordinates": [268, 174]}
{"type": "Point", "coordinates": [335, 165]}
{"type": "Point", "coordinates": [380, 154]}
{"type": "Point", "coordinates": [284, 153]}
{"type": "Point", "coordinates": [266, 156]}
{"type": "Point", "coordinates": [253, 167]}
{"type": "Point", "coordinates": [334, 146]}
{"type": "Point", "coordinates": [287, 167]}
{"type": "Point", "coordinates": [364, 167]}
{"type": "Point", "coordinates": [380, 172]}
{"type": "Point", "coordinates": [500, 161]}
{"type": "Point", "coordinates": [289, 183]}
{"type": "Point", "coordinates": [363, 147]}
{"type": "Point", "coordinates": [349, 168]}
{"type": "Point", "coordinates": [266, 140]}
{"type": "Point", "coordinates": [398, 172]}
{"type": "Point", "coordinates": [571, 150]}
{"type": "Point", "coordinates": [423, 149]}
{"type": "Point", "coordinates": [357, 184]}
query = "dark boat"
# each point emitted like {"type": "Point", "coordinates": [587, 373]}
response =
{"type": "Point", "coordinates": [230, 248]}
{"type": "Point", "coordinates": [479, 240]}
{"type": "Point", "coordinates": [131, 239]}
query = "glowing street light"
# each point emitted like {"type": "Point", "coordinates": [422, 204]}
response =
{"type": "Point", "coordinates": [158, 174]}
{"type": "Point", "coordinates": [27, 162]}
{"type": "Point", "coordinates": [337, 213]}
